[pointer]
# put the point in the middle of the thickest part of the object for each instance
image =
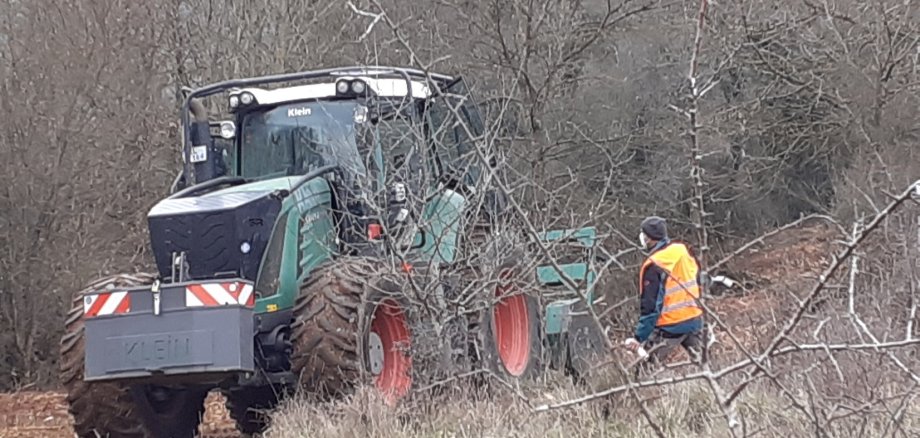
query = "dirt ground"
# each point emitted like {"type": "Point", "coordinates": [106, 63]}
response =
{"type": "Point", "coordinates": [44, 415]}
{"type": "Point", "coordinates": [769, 273]}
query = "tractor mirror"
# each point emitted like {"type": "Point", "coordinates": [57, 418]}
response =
{"type": "Point", "coordinates": [361, 114]}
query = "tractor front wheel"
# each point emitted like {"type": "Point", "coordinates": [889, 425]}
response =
{"type": "Point", "coordinates": [351, 324]}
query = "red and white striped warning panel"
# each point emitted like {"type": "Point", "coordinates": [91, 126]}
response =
{"type": "Point", "coordinates": [108, 303]}
{"type": "Point", "coordinates": [219, 294]}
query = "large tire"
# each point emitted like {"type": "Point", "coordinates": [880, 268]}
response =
{"type": "Point", "coordinates": [509, 332]}
{"type": "Point", "coordinates": [114, 410]}
{"type": "Point", "coordinates": [506, 333]}
{"type": "Point", "coordinates": [334, 316]}
{"type": "Point", "coordinates": [98, 409]}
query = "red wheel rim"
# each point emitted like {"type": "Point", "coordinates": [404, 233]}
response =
{"type": "Point", "coordinates": [511, 325]}
{"type": "Point", "coordinates": [389, 324]}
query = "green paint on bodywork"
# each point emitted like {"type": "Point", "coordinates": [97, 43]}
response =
{"type": "Point", "coordinates": [308, 240]}
{"type": "Point", "coordinates": [579, 273]}
{"type": "Point", "coordinates": [440, 227]}
{"type": "Point", "coordinates": [548, 275]}
{"type": "Point", "coordinates": [587, 236]}
{"type": "Point", "coordinates": [258, 186]}
{"type": "Point", "coordinates": [558, 315]}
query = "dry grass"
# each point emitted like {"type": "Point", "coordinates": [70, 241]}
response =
{"type": "Point", "coordinates": [683, 410]}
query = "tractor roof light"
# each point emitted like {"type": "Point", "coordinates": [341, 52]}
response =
{"type": "Point", "coordinates": [234, 102]}
{"type": "Point", "coordinates": [358, 87]}
{"type": "Point", "coordinates": [246, 98]}
{"type": "Point", "coordinates": [341, 87]}
{"type": "Point", "coordinates": [351, 88]}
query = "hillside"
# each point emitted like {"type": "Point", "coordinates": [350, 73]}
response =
{"type": "Point", "coordinates": [728, 119]}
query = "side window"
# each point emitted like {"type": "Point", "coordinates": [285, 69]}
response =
{"type": "Point", "coordinates": [455, 125]}
{"type": "Point", "coordinates": [270, 273]}
{"type": "Point", "coordinates": [471, 126]}
{"type": "Point", "coordinates": [443, 136]}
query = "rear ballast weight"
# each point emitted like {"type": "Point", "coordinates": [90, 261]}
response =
{"type": "Point", "coordinates": [203, 329]}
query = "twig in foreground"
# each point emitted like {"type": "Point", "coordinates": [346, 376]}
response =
{"type": "Point", "coordinates": [724, 371]}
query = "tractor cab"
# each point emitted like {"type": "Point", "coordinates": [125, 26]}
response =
{"type": "Point", "coordinates": [348, 123]}
{"type": "Point", "coordinates": [365, 132]}
{"type": "Point", "coordinates": [384, 137]}
{"type": "Point", "coordinates": [368, 126]}
{"type": "Point", "coordinates": [382, 116]}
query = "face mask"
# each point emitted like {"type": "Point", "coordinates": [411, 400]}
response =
{"type": "Point", "coordinates": [642, 239]}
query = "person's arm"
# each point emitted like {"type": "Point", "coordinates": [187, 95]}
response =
{"type": "Point", "coordinates": [649, 302]}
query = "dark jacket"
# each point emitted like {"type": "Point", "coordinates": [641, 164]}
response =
{"type": "Point", "coordinates": [650, 304]}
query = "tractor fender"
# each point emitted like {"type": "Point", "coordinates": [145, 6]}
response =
{"type": "Point", "coordinates": [440, 226]}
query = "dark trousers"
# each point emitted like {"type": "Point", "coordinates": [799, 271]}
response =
{"type": "Point", "coordinates": [661, 343]}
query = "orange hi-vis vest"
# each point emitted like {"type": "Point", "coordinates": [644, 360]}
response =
{"type": "Point", "coordinates": [681, 289]}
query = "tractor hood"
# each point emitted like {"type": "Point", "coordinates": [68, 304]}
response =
{"type": "Point", "coordinates": [228, 198]}
{"type": "Point", "coordinates": [223, 233]}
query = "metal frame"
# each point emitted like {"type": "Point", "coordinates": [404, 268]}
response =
{"type": "Point", "coordinates": [208, 90]}
{"type": "Point", "coordinates": [157, 324]}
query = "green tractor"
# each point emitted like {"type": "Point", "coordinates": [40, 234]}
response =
{"type": "Point", "coordinates": [339, 227]}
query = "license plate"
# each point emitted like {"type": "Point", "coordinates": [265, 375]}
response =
{"type": "Point", "coordinates": [199, 154]}
{"type": "Point", "coordinates": [158, 351]}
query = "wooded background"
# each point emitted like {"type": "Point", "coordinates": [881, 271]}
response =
{"type": "Point", "coordinates": [798, 107]}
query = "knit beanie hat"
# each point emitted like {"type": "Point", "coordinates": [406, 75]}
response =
{"type": "Point", "coordinates": [655, 228]}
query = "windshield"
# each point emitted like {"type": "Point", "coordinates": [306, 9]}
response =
{"type": "Point", "coordinates": [294, 139]}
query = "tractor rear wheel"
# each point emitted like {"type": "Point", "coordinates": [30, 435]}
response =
{"type": "Point", "coordinates": [510, 330]}
{"type": "Point", "coordinates": [117, 410]}
{"type": "Point", "coordinates": [506, 336]}
{"type": "Point", "coordinates": [351, 324]}
{"type": "Point", "coordinates": [98, 408]}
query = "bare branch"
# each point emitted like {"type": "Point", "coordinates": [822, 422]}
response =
{"type": "Point", "coordinates": [762, 238]}
{"type": "Point", "coordinates": [370, 27]}
{"type": "Point", "coordinates": [724, 371]}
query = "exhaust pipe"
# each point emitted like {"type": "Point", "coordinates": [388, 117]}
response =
{"type": "Point", "coordinates": [198, 111]}
{"type": "Point", "coordinates": [201, 138]}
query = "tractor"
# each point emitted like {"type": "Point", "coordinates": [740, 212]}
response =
{"type": "Point", "coordinates": [334, 227]}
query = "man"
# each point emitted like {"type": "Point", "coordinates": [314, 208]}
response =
{"type": "Point", "coordinates": [669, 286]}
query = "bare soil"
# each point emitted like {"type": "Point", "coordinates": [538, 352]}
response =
{"type": "Point", "coordinates": [774, 275]}
{"type": "Point", "coordinates": [33, 414]}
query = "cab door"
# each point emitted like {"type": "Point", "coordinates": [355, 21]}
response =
{"type": "Point", "coordinates": [455, 126]}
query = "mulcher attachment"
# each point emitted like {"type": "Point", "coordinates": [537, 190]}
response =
{"type": "Point", "coordinates": [574, 340]}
